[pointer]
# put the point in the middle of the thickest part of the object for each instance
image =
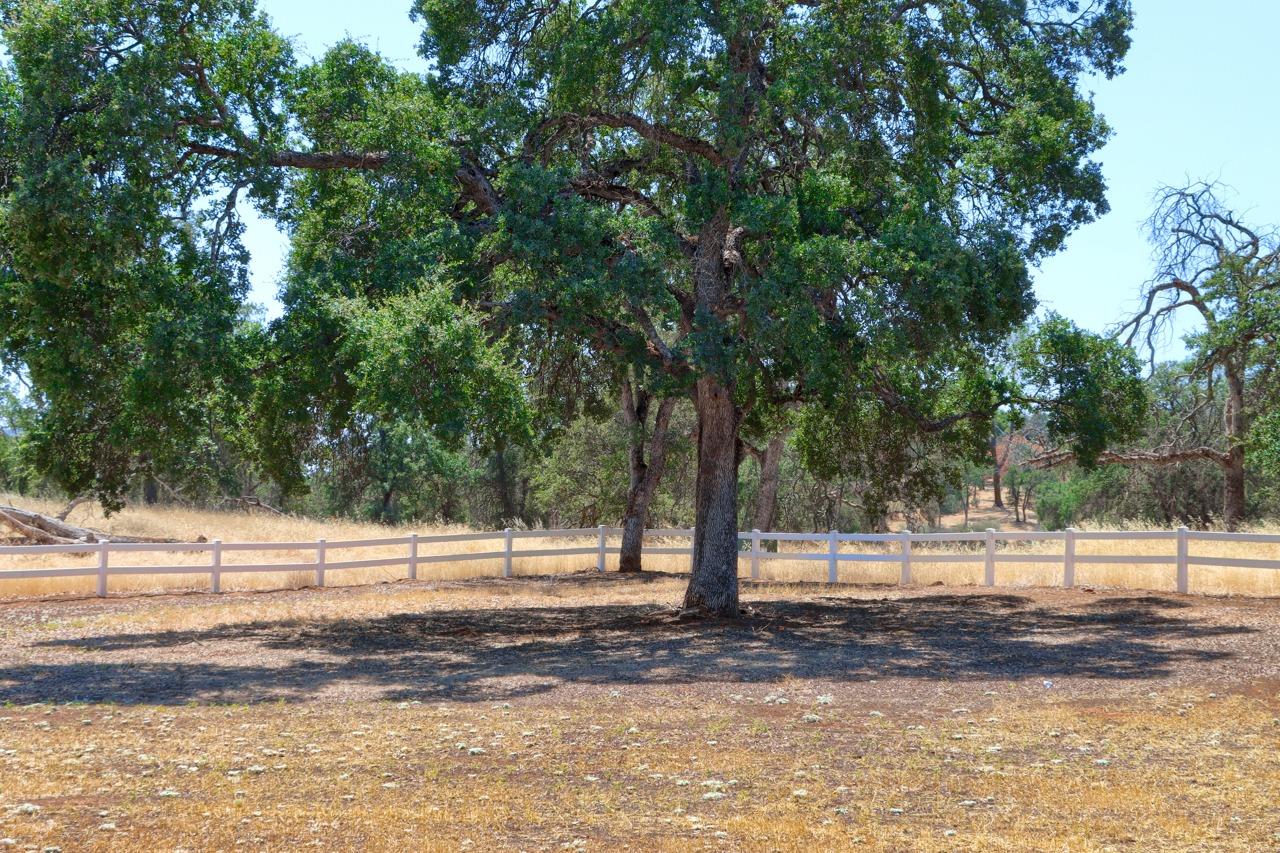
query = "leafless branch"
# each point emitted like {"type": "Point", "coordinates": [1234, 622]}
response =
{"type": "Point", "coordinates": [1159, 457]}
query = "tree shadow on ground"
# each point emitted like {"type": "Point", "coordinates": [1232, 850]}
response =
{"type": "Point", "coordinates": [497, 654]}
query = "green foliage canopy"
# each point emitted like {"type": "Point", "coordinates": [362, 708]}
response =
{"type": "Point", "coordinates": [761, 203]}
{"type": "Point", "coordinates": [133, 130]}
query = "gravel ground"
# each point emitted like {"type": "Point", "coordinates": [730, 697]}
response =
{"type": "Point", "coordinates": [552, 640]}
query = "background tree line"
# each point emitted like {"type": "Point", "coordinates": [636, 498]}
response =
{"type": "Point", "coordinates": [579, 477]}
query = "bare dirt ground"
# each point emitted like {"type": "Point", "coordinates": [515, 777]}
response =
{"type": "Point", "coordinates": [574, 712]}
{"type": "Point", "coordinates": [562, 638]}
{"type": "Point", "coordinates": [983, 513]}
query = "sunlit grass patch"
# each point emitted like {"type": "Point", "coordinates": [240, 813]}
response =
{"type": "Point", "coordinates": [191, 525]}
{"type": "Point", "coordinates": [1172, 771]}
{"type": "Point", "coordinates": [577, 713]}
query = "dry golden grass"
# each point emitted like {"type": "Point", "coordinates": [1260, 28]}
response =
{"type": "Point", "coordinates": [1159, 577]}
{"type": "Point", "coordinates": [188, 525]}
{"type": "Point", "coordinates": [955, 758]}
{"type": "Point", "coordinates": [1204, 580]}
{"type": "Point", "coordinates": [1173, 772]}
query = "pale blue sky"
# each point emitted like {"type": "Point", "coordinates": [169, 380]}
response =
{"type": "Point", "coordinates": [1200, 98]}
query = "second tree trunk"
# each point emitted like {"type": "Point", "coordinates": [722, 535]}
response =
{"type": "Point", "coordinates": [645, 472]}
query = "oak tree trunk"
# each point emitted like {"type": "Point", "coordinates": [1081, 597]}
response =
{"type": "Point", "coordinates": [765, 513]}
{"type": "Point", "coordinates": [713, 586]}
{"type": "Point", "coordinates": [645, 472]}
{"type": "Point", "coordinates": [503, 478]}
{"type": "Point", "coordinates": [766, 510]}
{"type": "Point", "coordinates": [630, 558]}
{"type": "Point", "coordinates": [1233, 491]}
{"type": "Point", "coordinates": [997, 463]}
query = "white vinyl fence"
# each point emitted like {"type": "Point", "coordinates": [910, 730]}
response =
{"type": "Point", "coordinates": [893, 548]}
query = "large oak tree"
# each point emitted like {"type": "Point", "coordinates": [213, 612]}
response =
{"type": "Point", "coordinates": [762, 203]}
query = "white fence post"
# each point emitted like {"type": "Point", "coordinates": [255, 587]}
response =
{"type": "Point", "coordinates": [506, 553]}
{"type": "Point", "coordinates": [833, 561]}
{"type": "Point", "coordinates": [755, 554]}
{"type": "Point", "coordinates": [215, 570]}
{"type": "Point", "coordinates": [989, 576]}
{"type": "Point", "coordinates": [103, 550]}
{"type": "Point", "coordinates": [413, 556]}
{"type": "Point", "coordinates": [1184, 574]}
{"type": "Point", "coordinates": [905, 578]}
{"type": "Point", "coordinates": [693, 535]}
{"type": "Point", "coordinates": [1069, 559]}
{"type": "Point", "coordinates": [600, 554]}
{"type": "Point", "coordinates": [319, 562]}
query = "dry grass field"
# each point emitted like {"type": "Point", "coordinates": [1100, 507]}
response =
{"type": "Point", "coordinates": [572, 712]}
{"type": "Point", "coordinates": [191, 525]}
{"type": "Point", "coordinates": [567, 710]}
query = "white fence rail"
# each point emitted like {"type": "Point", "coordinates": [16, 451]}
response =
{"type": "Point", "coordinates": [898, 548]}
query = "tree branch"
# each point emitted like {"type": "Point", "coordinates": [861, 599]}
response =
{"type": "Point", "coordinates": [1134, 458]}
{"type": "Point", "coordinates": [651, 131]}
{"type": "Point", "coordinates": [590, 187]}
{"type": "Point", "coordinates": [318, 160]}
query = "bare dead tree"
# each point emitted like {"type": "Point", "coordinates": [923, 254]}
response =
{"type": "Point", "coordinates": [1227, 274]}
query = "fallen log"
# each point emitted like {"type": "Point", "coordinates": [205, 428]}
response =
{"type": "Point", "coordinates": [14, 519]}
{"type": "Point", "coordinates": [49, 530]}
